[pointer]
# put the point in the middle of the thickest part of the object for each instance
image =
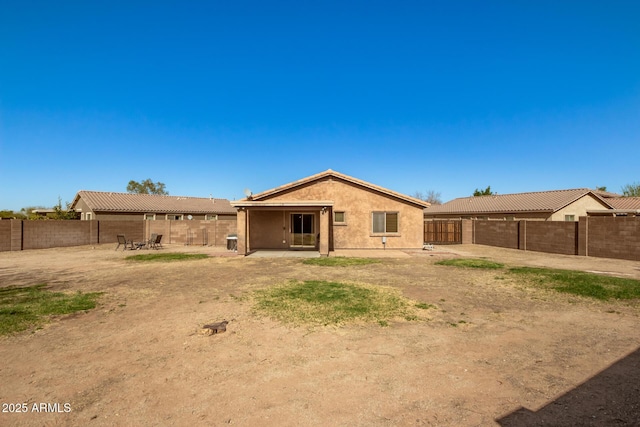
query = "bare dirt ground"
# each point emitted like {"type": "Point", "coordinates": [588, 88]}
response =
{"type": "Point", "coordinates": [493, 353]}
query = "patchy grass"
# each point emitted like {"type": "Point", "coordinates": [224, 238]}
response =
{"type": "Point", "coordinates": [580, 283]}
{"type": "Point", "coordinates": [339, 261]}
{"type": "Point", "coordinates": [169, 256]}
{"type": "Point", "coordinates": [316, 302]}
{"type": "Point", "coordinates": [24, 307]}
{"type": "Point", "coordinates": [471, 263]}
{"type": "Point", "coordinates": [424, 306]}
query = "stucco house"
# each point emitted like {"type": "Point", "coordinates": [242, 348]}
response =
{"type": "Point", "coordinates": [557, 205]}
{"type": "Point", "coordinates": [622, 206]}
{"type": "Point", "coordinates": [103, 205]}
{"type": "Point", "coordinates": [329, 211]}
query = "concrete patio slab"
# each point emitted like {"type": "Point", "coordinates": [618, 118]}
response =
{"type": "Point", "coordinates": [284, 254]}
{"type": "Point", "coordinates": [370, 253]}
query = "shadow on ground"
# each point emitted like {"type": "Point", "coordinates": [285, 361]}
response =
{"type": "Point", "coordinates": [611, 398]}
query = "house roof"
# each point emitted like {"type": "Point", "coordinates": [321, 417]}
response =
{"type": "Point", "coordinates": [625, 202]}
{"type": "Point", "coordinates": [100, 201]}
{"type": "Point", "coordinates": [337, 175]}
{"type": "Point", "coordinates": [541, 201]}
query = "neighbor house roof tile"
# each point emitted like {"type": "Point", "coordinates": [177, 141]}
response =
{"type": "Point", "coordinates": [100, 201]}
{"type": "Point", "coordinates": [541, 201]}
{"type": "Point", "coordinates": [625, 202]}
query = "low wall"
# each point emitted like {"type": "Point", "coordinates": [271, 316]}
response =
{"type": "Point", "coordinates": [199, 233]}
{"type": "Point", "coordinates": [503, 234]}
{"type": "Point", "coordinates": [17, 235]}
{"type": "Point", "coordinates": [603, 237]}
{"type": "Point", "coordinates": [607, 237]}
{"type": "Point", "coordinates": [555, 237]}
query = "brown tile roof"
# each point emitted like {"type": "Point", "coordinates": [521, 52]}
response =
{"type": "Point", "coordinates": [623, 203]}
{"type": "Point", "coordinates": [100, 201]}
{"type": "Point", "coordinates": [344, 177]}
{"type": "Point", "coordinates": [541, 201]}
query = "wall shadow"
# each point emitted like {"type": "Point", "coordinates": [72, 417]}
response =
{"type": "Point", "coordinates": [610, 398]}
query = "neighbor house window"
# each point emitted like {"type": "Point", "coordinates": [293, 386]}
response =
{"type": "Point", "coordinates": [570, 218]}
{"type": "Point", "coordinates": [211, 217]}
{"type": "Point", "coordinates": [385, 222]}
{"type": "Point", "coordinates": [339, 217]}
{"type": "Point", "coordinates": [86, 216]}
{"type": "Point", "coordinates": [149, 217]}
{"type": "Point", "coordinates": [175, 217]}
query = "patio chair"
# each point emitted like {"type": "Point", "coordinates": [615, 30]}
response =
{"type": "Point", "coordinates": [151, 240]}
{"type": "Point", "coordinates": [155, 243]}
{"type": "Point", "coordinates": [122, 241]}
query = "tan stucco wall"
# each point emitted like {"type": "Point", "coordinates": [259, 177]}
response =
{"type": "Point", "coordinates": [579, 208]}
{"type": "Point", "coordinates": [269, 230]}
{"type": "Point", "coordinates": [358, 203]}
{"type": "Point", "coordinates": [83, 209]}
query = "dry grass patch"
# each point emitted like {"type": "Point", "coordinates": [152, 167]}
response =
{"type": "Point", "coordinates": [322, 303]}
{"type": "Point", "coordinates": [24, 307]}
{"type": "Point", "coordinates": [339, 261]}
{"type": "Point", "coordinates": [163, 257]}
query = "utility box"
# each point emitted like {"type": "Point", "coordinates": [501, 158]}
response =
{"type": "Point", "coordinates": [232, 242]}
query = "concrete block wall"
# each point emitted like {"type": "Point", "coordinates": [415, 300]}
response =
{"type": "Point", "coordinates": [613, 237]}
{"type": "Point", "coordinates": [52, 234]}
{"type": "Point", "coordinates": [5, 235]}
{"type": "Point", "coordinates": [107, 231]}
{"type": "Point", "coordinates": [194, 232]}
{"type": "Point", "coordinates": [467, 231]}
{"type": "Point", "coordinates": [503, 234]}
{"type": "Point", "coordinates": [557, 237]}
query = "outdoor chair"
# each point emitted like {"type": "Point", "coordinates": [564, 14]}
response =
{"type": "Point", "coordinates": [122, 241]}
{"type": "Point", "coordinates": [155, 243]}
{"type": "Point", "coordinates": [151, 240]}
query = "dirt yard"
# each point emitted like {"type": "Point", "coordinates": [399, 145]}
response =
{"type": "Point", "coordinates": [493, 353]}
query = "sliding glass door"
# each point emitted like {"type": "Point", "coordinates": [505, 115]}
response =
{"type": "Point", "coordinates": [303, 230]}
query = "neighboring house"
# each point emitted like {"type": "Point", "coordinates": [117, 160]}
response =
{"type": "Point", "coordinates": [559, 205]}
{"type": "Point", "coordinates": [329, 211]}
{"type": "Point", "coordinates": [622, 206]}
{"type": "Point", "coordinates": [118, 206]}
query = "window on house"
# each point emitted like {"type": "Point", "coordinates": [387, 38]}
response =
{"type": "Point", "coordinates": [175, 217]}
{"type": "Point", "coordinates": [211, 217]}
{"type": "Point", "coordinates": [570, 218]}
{"type": "Point", "coordinates": [339, 217]}
{"type": "Point", "coordinates": [149, 217]}
{"type": "Point", "coordinates": [385, 222]}
{"type": "Point", "coordinates": [87, 216]}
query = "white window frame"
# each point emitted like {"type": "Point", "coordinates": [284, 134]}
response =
{"type": "Point", "coordinates": [211, 217]}
{"type": "Point", "coordinates": [571, 216]}
{"type": "Point", "coordinates": [385, 232]}
{"type": "Point", "coordinates": [175, 217]}
{"type": "Point", "coordinates": [152, 215]}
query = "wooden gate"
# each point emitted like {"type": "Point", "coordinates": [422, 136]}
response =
{"type": "Point", "coordinates": [443, 232]}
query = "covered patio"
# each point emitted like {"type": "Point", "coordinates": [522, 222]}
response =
{"type": "Point", "coordinates": [284, 226]}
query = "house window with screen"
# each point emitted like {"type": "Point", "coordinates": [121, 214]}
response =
{"type": "Point", "coordinates": [150, 217]}
{"type": "Point", "coordinates": [385, 222]}
{"type": "Point", "coordinates": [569, 217]}
{"type": "Point", "coordinates": [339, 217]}
{"type": "Point", "coordinates": [175, 217]}
{"type": "Point", "coordinates": [211, 217]}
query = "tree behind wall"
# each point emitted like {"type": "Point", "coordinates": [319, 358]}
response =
{"type": "Point", "coordinates": [631, 190]}
{"type": "Point", "coordinates": [486, 192]}
{"type": "Point", "coordinates": [430, 196]}
{"type": "Point", "coordinates": [147, 187]}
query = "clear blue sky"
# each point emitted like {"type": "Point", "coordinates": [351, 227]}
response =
{"type": "Point", "coordinates": [211, 97]}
